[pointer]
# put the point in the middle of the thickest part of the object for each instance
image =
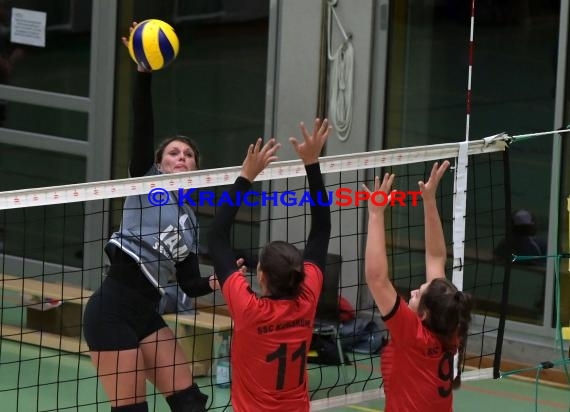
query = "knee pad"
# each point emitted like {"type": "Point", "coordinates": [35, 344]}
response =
{"type": "Point", "coordinates": [136, 407]}
{"type": "Point", "coordinates": [188, 400]}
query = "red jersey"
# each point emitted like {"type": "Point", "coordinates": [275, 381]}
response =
{"type": "Point", "coordinates": [417, 371]}
{"type": "Point", "coordinates": [386, 366]}
{"type": "Point", "coordinates": [270, 342]}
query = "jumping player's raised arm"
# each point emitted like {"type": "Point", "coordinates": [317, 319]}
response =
{"type": "Point", "coordinates": [142, 143]}
{"type": "Point", "coordinates": [309, 151]}
{"type": "Point", "coordinates": [436, 252]}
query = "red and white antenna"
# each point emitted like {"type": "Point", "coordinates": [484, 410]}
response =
{"type": "Point", "coordinates": [460, 181]}
{"type": "Point", "coordinates": [470, 70]}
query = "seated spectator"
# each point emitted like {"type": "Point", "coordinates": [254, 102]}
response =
{"type": "Point", "coordinates": [524, 241]}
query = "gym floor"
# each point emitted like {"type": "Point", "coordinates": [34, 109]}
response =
{"type": "Point", "coordinates": [48, 381]}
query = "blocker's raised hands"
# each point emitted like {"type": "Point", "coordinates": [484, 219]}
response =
{"type": "Point", "coordinates": [310, 149]}
{"type": "Point", "coordinates": [384, 187]}
{"type": "Point", "coordinates": [258, 157]}
{"type": "Point", "coordinates": [429, 188]}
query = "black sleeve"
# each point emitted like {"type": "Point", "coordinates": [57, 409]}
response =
{"type": "Point", "coordinates": [219, 245]}
{"type": "Point", "coordinates": [318, 240]}
{"type": "Point", "coordinates": [394, 309]}
{"type": "Point", "coordinates": [189, 279]}
{"type": "Point", "coordinates": [142, 144]}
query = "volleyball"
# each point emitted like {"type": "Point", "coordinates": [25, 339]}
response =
{"type": "Point", "coordinates": [153, 44]}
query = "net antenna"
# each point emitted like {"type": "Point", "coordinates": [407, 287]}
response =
{"type": "Point", "coordinates": [460, 181]}
{"type": "Point", "coordinates": [460, 185]}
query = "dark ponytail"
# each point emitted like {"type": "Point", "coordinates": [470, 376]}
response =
{"type": "Point", "coordinates": [448, 313]}
{"type": "Point", "coordinates": [464, 305]}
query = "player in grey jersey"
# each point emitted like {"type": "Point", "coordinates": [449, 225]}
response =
{"type": "Point", "coordinates": [129, 342]}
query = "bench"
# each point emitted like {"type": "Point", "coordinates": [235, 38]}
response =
{"type": "Point", "coordinates": [60, 327]}
{"type": "Point", "coordinates": [67, 301]}
{"type": "Point", "coordinates": [195, 333]}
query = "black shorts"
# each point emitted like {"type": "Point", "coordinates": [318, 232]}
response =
{"type": "Point", "coordinates": [118, 317]}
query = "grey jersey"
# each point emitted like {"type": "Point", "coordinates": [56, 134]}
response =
{"type": "Point", "coordinates": [157, 236]}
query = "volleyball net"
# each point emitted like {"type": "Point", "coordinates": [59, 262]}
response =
{"type": "Point", "coordinates": [53, 259]}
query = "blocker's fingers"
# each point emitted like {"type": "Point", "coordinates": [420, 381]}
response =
{"type": "Point", "coordinates": [295, 143]}
{"type": "Point", "coordinates": [443, 168]}
{"type": "Point", "coordinates": [434, 169]}
{"type": "Point", "coordinates": [267, 147]}
{"type": "Point", "coordinates": [421, 184]}
{"type": "Point", "coordinates": [324, 126]}
{"type": "Point", "coordinates": [316, 126]}
{"type": "Point", "coordinates": [258, 145]}
{"type": "Point", "coordinates": [272, 150]}
{"type": "Point", "coordinates": [271, 160]}
{"type": "Point", "coordinates": [304, 131]}
{"type": "Point", "coordinates": [377, 183]}
{"type": "Point", "coordinates": [389, 199]}
{"type": "Point", "coordinates": [387, 182]}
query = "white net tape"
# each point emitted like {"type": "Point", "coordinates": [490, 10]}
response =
{"type": "Point", "coordinates": [212, 177]}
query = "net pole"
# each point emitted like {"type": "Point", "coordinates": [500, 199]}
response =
{"type": "Point", "coordinates": [507, 273]}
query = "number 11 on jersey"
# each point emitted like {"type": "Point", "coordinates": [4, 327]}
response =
{"type": "Point", "coordinates": [281, 356]}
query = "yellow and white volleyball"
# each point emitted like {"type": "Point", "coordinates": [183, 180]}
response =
{"type": "Point", "coordinates": [153, 44]}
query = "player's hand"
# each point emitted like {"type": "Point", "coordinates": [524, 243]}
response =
{"type": "Point", "coordinates": [213, 279]}
{"type": "Point", "coordinates": [125, 41]}
{"type": "Point", "coordinates": [258, 157]}
{"type": "Point", "coordinates": [385, 187]}
{"type": "Point", "coordinates": [429, 188]}
{"type": "Point", "coordinates": [240, 265]}
{"type": "Point", "coordinates": [310, 149]}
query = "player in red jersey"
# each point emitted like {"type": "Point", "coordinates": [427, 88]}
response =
{"type": "Point", "coordinates": [272, 332]}
{"type": "Point", "coordinates": [426, 334]}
